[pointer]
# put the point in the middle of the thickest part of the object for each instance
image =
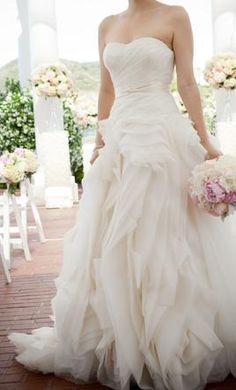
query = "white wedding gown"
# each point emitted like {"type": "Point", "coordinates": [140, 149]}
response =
{"type": "Point", "coordinates": [147, 292]}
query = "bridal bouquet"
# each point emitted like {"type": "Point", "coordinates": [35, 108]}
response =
{"type": "Point", "coordinates": [30, 159]}
{"type": "Point", "coordinates": [51, 80]}
{"type": "Point", "coordinates": [213, 186]}
{"type": "Point", "coordinates": [16, 166]}
{"type": "Point", "coordinates": [220, 71]}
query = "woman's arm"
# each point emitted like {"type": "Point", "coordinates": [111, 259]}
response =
{"type": "Point", "coordinates": [186, 83]}
{"type": "Point", "coordinates": [106, 92]}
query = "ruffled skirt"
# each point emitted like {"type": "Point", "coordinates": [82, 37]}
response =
{"type": "Point", "coordinates": [148, 285]}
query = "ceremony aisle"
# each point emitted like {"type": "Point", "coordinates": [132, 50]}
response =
{"type": "Point", "coordinates": [25, 304]}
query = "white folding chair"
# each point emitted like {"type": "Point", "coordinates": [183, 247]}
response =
{"type": "Point", "coordinates": [8, 207]}
{"type": "Point", "coordinates": [26, 199]}
{"type": "Point", "coordinates": [4, 262]}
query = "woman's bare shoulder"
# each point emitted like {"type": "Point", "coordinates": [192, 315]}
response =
{"type": "Point", "coordinates": [171, 12]}
{"type": "Point", "coordinates": [106, 23]}
{"type": "Point", "coordinates": [178, 12]}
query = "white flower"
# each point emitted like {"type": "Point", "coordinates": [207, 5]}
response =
{"type": "Point", "coordinates": [13, 169]}
{"type": "Point", "coordinates": [219, 68]}
{"type": "Point", "coordinates": [30, 161]}
{"type": "Point", "coordinates": [50, 74]}
{"type": "Point", "coordinates": [52, 91]}
{"type": "Point", "coordinates": [13, 174]}
{"type": "Point", "coordinates": [62, 89]}
{"type": "Point", "coordinates": [52, 80]}
{"type": "Point", "coordinates": [42, 89]}
{"type": "Point", "coordinates": [44, 78]}
{"type": "Point", "coordinates": [36, 79]}
{"type": "Point", "coordinates": [230, 83]}
{"type": "Point", "coordinates": [62, 78]}
{"type": "Point", "coordinates": [219, 77]}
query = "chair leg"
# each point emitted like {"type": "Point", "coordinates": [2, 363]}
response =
{"type": "Point", "coordinates": [23, 209]}
{"type": "Point", "coordinates": [4, 264]}
{"type": "Point", "coordinates": [23, 236]}
{"type": "Point", "coordinates": [6, 231]}
{"type": "Point", "coordinates": [35, 212]}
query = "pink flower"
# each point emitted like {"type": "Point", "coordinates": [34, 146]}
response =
{"type": "Point", "coordinates": [230, 197]}
{"type": "Point", "coordinates": [3, 159]}
{"type": "Point", "coordinates": [215, 193]}
{"type": "Point", "coordinates": [19, 152]}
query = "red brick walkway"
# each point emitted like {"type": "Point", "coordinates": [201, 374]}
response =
{"type": "Point", "coordinates": [25, 305]}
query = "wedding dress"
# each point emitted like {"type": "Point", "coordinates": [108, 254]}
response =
{"type": "Point", "coordinates": [147, 292]}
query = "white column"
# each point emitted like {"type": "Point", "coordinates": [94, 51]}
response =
{"type": "Point", "coordinates": [53, 183]}
{"type": "Point", "coordinates": [224, 40]}
{"type": "Point", "coordinates": [23, 43]}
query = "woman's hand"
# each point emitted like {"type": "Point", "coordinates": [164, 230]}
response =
{"type": "Point", "coordinates": [93, 157]}
{"type": "Point", "coordinates": [95, 153]}
{"type": "Point", "coordinates": [212, 151]}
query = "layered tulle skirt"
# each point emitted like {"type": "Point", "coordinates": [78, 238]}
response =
{"type": "Point", "coordinates": [148, 285]}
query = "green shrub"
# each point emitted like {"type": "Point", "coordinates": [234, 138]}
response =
{"type": "Point", "coordinates": [17, 125]}
{"type": "Point", "coordinates": [75, 142]}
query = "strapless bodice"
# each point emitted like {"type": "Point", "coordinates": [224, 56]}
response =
{"type": "Point", "coordinates": [144, 64]}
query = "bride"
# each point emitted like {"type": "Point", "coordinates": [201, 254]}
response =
{"type": "Point", "coordinates": [147, 290]}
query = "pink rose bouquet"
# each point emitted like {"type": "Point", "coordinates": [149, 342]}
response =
{"type": "Point", "coordinates": [213, 186]}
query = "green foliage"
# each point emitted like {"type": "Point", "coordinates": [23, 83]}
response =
{"type": "Point", "coordinates": [16, 118]}
{"type": "Point", "coordinates": [209, 108]}
{"type": "Point", "coordinates": [75, 142]}
{"type": "Point", "coordinates": [17, 125]}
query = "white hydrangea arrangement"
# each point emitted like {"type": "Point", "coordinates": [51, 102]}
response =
{"type": "Point", "coordinates": [30, 159]}
{"type": "Point", "coordinates": [213, 186]}
{"type": "Point", "coordinates": [220, 71]}
{"type": "Point", "coordinates": [52, 80]}
{"type": "Point", "coordinates": [16, 166]}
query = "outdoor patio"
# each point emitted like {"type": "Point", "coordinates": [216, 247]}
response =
{"type": "Point", "coordinates": [25, 304]}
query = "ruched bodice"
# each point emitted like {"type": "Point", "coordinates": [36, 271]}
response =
{"type": "Point", "coordinates": [144, 64]}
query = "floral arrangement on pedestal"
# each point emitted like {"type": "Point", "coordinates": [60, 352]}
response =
{"type": "Point", "coordinates": [213, 186]}
{"type": "Point", "coordinates": [220, 71]}
{"type": "Point", "coordinates": [52, 80]}
{"type": "Point", "coordinates": [16, 166]}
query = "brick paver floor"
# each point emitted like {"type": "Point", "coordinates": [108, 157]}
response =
{"type": "Point", "coordinates": [25, 305]}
